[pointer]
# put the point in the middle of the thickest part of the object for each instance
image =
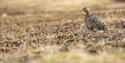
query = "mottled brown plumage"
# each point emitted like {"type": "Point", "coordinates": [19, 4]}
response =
{"type": "Point", "coordinates": [92, 22]}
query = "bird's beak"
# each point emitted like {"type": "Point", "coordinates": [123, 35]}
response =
{"type": "Point", "coordinates": [82, 9]}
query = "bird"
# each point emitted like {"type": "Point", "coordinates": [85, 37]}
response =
{"type": "Point", "coordinates": [92, 22]}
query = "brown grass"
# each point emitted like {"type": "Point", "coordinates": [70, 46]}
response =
{"type": "Point", "coordinates": [43, 31]}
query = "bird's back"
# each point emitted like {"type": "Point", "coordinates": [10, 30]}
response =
{"type": "Point", "coordinates": [94, 24]}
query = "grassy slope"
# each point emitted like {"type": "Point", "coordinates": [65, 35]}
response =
{"type": "Point", "coordinates": [52, 32]}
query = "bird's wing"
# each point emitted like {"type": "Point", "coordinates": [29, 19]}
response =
{"type": "Point", "coordinates": [92, 19]}
{"type": "Point", "coordinates": [95, 23]}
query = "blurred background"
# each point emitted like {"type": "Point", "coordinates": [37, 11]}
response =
{"type": "Point", "coordinates": [23, 6]}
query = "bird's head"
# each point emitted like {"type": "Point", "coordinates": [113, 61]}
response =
{"type": "Point", "coordinates": [86, 9]}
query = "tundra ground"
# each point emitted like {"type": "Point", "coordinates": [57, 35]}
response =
{"type": "Point", "coordinates": [53, 31]}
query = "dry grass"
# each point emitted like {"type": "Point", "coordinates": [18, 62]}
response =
{"type": "Point", "coordinates": [43, 31]}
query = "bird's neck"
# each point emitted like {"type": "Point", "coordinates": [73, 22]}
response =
{"type": "Point", "coordinates": [87, 13]}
